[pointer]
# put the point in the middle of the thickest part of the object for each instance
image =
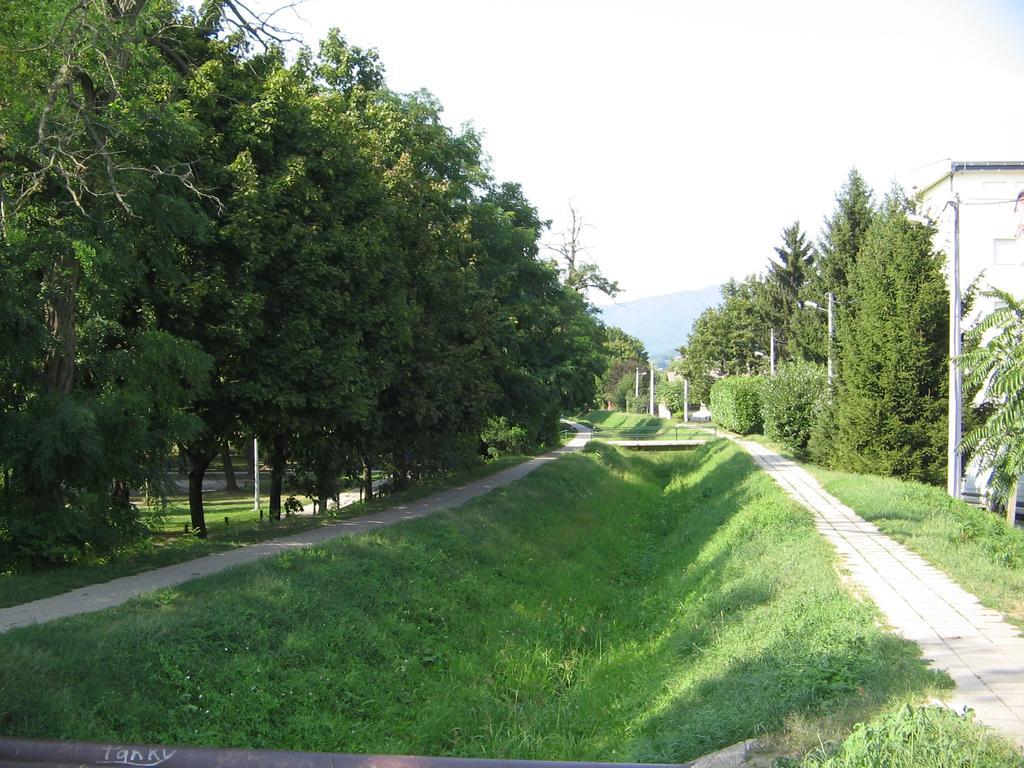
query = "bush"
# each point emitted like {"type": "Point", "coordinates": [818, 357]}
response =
{"type": "Point", "coordinates": [736, 403]}
{"type": "Point", "coordinates": [788, 402]}
{"type": "Point", "coordinates": [502, 438]}
{"type": "Point", "coordinates": [821, 441]}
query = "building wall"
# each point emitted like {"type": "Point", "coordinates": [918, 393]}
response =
{"type": "Point", "coordinates": [989, 246]}
{"type": "Point", "coordinates": [990, 250]}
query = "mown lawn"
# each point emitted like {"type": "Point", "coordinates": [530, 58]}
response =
{"type": "Point", "coordinates": [637, 426]}
{"type": "Point", "coordinates": [611, 606]}
{"type": "Point", "coordinates": [974, 547]}
{"type": "Point", "coordinates": [231, 522]}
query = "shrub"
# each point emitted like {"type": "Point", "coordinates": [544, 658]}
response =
{"type": "Point", "coordinates": [736, 403]}
{"type": "Point", "coordinates": [821, 441]}
{"type": "Point", "coordinates": [788, 402]}
{"type": "Point", "coordinates": [501, 438]}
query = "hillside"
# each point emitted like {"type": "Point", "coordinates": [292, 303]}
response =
{"type": "Point", "coordinates": [662, 323]}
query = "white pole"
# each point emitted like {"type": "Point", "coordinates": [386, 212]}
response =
{"type": "Point", "coordinates": [831, 333]}
{"type": "Point", "coordinates": [652, 388]}
{"type": "Point", "coordinates": [686, 400]}
{"type": "Point", "coordinates": [256, 476]}
{"type": "Point", "coordinates": [953, 471]}
{"type": "Point", "coordinates": [636, 394]}
{"type": "Point", "coordinates": [771, 358]}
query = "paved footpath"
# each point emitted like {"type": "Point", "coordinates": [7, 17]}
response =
{"type": "Point", "coordinates": [96, 597]}
{"type": "Point", "coordinates": [974, 645]}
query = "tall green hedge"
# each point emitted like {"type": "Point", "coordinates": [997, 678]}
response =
{"type": "Point", "coordinates": [736, 403]}
{"type": "Point", "coordinates": [789, 402]}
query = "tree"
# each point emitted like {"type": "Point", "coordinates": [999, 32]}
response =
{"type": "Point", "coordinates": [891, 394]}
{"type": "Point", "coordinates": [838, 247]}
{"type": "Point", "coordinates": [786, 278]}
{"type": "Point", "coordinates": [97, 190]}
{"type": "Point", "coordinates": [725, 339]}
{"type": "Point", "coordinates": [580, 275]}
{"type": "Point", "coordinates": [624, 355]}
{"type": "Point", "coordinates": [995, 363]}
{"type": "Point", "coordinates": [843, 238]}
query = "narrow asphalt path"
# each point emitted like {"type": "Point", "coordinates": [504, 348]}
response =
{"type": "Point", "coordinates": [96, 597]}
{"type": "Point", "coordinates": [974, 645]}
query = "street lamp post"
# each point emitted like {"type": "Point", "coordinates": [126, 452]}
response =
{"type": "Point", "coordinates": [771, 352]}
{"type": "Point", "coordinates": [831, 326]}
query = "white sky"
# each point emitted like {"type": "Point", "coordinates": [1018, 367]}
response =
{"type": "Point", "coordinates": [689, 134]}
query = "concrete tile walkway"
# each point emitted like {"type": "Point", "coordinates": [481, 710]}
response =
{"type": "Point", "coordinates": [96, 597]}
{"type": "Point", "coordinates": [974, 645]}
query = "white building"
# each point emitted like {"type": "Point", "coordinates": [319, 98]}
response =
{"type": "Point", "coordinates": [991, 207]}
{"type": "Point", "coordinates": [990, 221]}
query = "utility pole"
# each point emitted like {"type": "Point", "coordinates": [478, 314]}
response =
{"type": "Point", "coordinates": [652, 388]}
{"type": "Point", "coordinates": [954, 461]}
{"type": "Point", "coordinates": [831, 333]}
{"type": "Point", "coordinates": [954, 469]}
{"type": "Point", "coordinates": [686, 400]}
{"type": "Point", "coordinates": [771, 351]}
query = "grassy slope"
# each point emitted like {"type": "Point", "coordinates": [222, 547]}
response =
{"type": "Point", "coordinates": [610, 606]}
{"type": "Point", "coordinates": [974, 547]}
{"type": "Point", "coordinates": [168, 544]}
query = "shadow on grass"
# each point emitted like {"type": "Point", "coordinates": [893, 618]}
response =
{"type": "Point", "coordinates": [607, 607]}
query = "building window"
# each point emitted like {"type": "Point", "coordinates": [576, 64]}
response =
{"type": "Point", "coordinates": [1008, 251]}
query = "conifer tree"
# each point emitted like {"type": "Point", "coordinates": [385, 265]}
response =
{"type": "Point", "coordinates": [786, 278]}
{"type": "Point", "coordinates": [891, 395]}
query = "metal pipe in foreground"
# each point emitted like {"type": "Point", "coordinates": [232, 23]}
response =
{"type": "Point", "coordinates": [33, 752]}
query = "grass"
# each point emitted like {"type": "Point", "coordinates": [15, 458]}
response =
{"type": "Point", "coordinates": [610, 606]}
{"type": "Point", "coordinates": [168, 544]}
{"type": "Point", "coordinates": [924, 737]}
{"type": "Point", "coordinates": [637, 426]}
{"type": "Point", "coordinates": [974, 547]}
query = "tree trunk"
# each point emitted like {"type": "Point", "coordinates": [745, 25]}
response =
{"type": "Point", "coordinates": [198, 461]}
{"type": "Point", "coordinates": [121, 493]}
{"type": "Point", "coordinates": [1011, 504]}
{"type": "Point", "coordinates": [60, 298]}
{"type": "Point", "coordinates": [367, 481]}
{"type": "Point", "coordinates": [230, 484]}
{"type": "Point", "coordinates": [277, 462]}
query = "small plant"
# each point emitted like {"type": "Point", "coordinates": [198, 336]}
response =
{"type": "Point", "coordinates": [292, 506]}
{"type": "Point", "coordinates": [918, 737]}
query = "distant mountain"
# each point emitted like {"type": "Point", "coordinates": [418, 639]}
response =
{"type": "Point", "coordinates": [662, 323]}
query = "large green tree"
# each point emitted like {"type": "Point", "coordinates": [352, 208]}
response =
{"type": "Point", "coordinates": [893, 329]}
{"type": "Point", "coordinates": [95, 141]}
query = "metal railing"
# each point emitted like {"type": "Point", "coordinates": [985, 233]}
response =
{"type": "Point", "coordinates": [657, 432]}
{"type": "Point", "coordinates": [32, 752]}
